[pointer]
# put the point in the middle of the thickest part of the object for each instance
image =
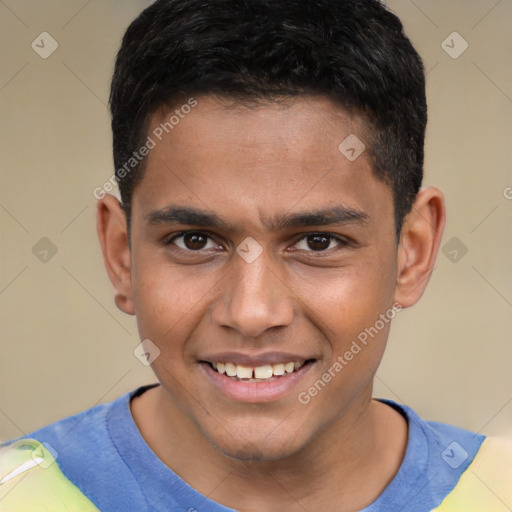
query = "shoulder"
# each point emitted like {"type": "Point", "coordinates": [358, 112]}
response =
{"type": "Point", "coordinates": [487, 482]}
{"type": "Point", "coordinates": [464, 471]}
{"type": "Point", "coordinates": [83, 451]}
{"type": "Point", "coordinates": [37, 469]}
{"type": "Point", "coordinates": [30, 479]}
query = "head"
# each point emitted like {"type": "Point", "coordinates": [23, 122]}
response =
{"type": "Point", "coordinates": [286, 137]}
{"type": "Point", "coordinates": [351, 51]}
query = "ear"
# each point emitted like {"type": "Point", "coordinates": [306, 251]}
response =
{"type": "Point", "coordinates": [113, 235]}
{"type": "Point", "coordinates": [419, 243]}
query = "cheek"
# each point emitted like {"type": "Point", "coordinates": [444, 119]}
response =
{"type": "Point", "coordinates": [364, 323]}
{"type": "Point", "coordinates": [348, 298]}
{"type": "Point", "coordinates": [348, 305]}
{"type": "Point", "coordinates": [167, 300]}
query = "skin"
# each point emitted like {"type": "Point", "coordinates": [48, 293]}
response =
{"type": "Point", "coordinates": [249, 165]}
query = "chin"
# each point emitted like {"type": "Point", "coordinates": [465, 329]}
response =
{"type": "Point", "coordinates": [251, 452]}
{"type": "Point", "coordinates": [260, 443]}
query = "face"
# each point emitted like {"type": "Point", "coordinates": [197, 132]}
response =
{"type": "Point", "coordinates": [256, 244]}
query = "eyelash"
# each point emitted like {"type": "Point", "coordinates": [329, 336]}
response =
{"type": "Point", "coordinates": [342, 241]}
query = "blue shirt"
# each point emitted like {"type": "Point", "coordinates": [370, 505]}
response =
{"type": "Point", "coordinates": [103, 453]}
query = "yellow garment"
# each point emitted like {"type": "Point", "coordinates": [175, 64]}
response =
{"type": "Point", "coordinates": [486, 485]}
{"type": "Point", "coordinates": [31, 481]}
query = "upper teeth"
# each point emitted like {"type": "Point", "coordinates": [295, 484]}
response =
{"type": "Point", "coordinates": [258, 372]}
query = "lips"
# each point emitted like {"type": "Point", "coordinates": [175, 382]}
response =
{"type": "Point", "coordinates": [255, 378]}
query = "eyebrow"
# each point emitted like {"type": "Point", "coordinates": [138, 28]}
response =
{"type": "Point", "coordinates": [190, 216]}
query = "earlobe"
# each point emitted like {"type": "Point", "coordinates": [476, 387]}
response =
{"type": "Point", "coordinates": [124, 303]}
{"type": "Point", "coordinates": [419, 243]}
{"type": "Point", "coordinates": [113, 236]}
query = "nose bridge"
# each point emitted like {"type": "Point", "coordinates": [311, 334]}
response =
{"type": "Point", "coordinates": [254, 299]}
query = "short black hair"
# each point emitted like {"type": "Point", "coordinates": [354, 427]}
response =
{"type": "Point", "coordinates": [352, 51]}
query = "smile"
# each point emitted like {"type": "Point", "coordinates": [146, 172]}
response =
{"type": "Point", "coordinates": [256, 373]}
{"type": "Point", "coordinates": [264, 382]}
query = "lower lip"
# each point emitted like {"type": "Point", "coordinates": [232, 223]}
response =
{"type": "Point", "coordinates": [255, 392]}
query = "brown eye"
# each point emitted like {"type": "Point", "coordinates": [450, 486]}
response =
{"type": "Point", "coordinates": [192, 241]}
{"type": "Point", "coordinates": [318, 242]}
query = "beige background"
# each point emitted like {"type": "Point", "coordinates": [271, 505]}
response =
{"type": "Point", "coordinates": [64, 345]}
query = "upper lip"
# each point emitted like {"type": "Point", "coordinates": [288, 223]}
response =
{"type": "Point", "coordinates": [254, 360]}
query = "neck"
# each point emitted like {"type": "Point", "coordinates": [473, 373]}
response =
{"type": "Point", "coordinates": [345, 467]}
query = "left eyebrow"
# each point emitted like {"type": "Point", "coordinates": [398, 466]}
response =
{"type": "Point", "coordinates": [335, 216]}
{"type": "Point", "coordinates": [190, 216]}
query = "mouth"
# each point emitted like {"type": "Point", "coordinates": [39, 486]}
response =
{"type": "Point", "coordinates": [264, 382]}
{"type": "Point", "coordinates": [263, 373]}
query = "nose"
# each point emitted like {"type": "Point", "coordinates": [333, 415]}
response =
{"type": "Point", "coordinates": [253, 299]}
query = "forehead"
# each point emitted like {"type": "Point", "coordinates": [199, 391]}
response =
{"type": "Point", "coordinates": [259, 160]}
